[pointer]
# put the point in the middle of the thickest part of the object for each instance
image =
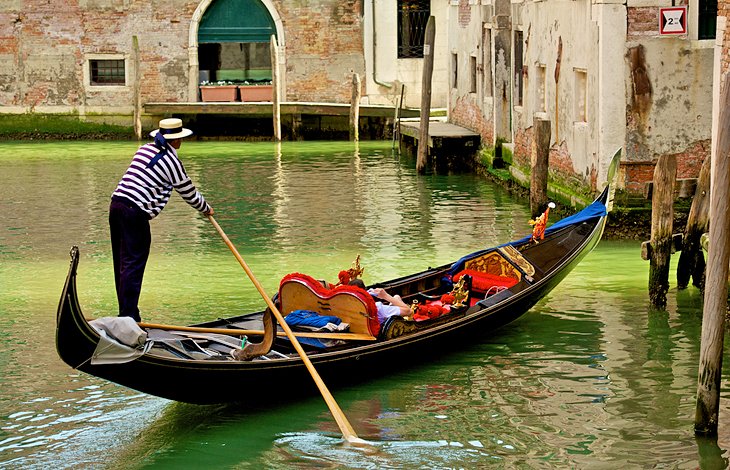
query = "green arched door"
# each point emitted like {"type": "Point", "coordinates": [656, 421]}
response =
{"type": "Point", "coordinates": [234, 41]}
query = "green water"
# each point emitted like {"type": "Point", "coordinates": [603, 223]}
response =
{"type": "Point", "coordinates": [589, 378]}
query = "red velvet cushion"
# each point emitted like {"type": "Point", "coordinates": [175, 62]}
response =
{"type": "Point", "coordinates": [482, 282]}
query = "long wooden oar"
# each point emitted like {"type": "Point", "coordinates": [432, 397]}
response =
{"type": "Point", "coordinates": [347, 432]}
{"type": "Point", "coordinates": [238, 332]}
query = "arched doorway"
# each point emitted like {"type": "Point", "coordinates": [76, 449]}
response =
{"type": "Point", "coordinates": [230, 40]}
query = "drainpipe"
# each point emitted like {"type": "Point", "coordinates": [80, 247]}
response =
{"type": "Point", "coordinates": [375, 47]}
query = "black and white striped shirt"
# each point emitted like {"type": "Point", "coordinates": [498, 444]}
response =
{"type": "Point", "coordinates": [150, 186]}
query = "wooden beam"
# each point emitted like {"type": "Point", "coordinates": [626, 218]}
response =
{"type": "Point", "coordinates": [692, 260]}
{"type": "Point", "coordinates": [716, 277]}
{"type": "Point", "coordinates": [428, 56]}
{"type": "Point", "coordinates": [238, 332]}
{"type": "Point", "coordinates": [264, 108]}
{"type": "Point", "coordinates": [539, 157]}
{"type": "Point", "coordinates": [136, 89]}
{"type": "Point", "coordinates": [355, 108]}
{"type": "Point", "coordinates": [662, 219]}
{"type": "Point", "coordinates": [276, 82]}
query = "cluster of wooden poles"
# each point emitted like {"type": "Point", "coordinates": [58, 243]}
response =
{"type": "Point", "coordinates": [711, 203]}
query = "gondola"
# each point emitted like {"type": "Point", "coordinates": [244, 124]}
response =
{"type": "Point", "coordinates": [202, 364]}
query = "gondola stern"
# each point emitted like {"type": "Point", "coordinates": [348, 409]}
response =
{"type": "Point", "coordinates": [69, 289]}
{"type": "Point", "coordinates": [75, 338]}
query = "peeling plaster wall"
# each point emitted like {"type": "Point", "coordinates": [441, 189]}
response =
{"type": "Point", "coordinates": [45, 47]}
{"type": "Point", "coordinates": [669, 97]}
{"type": "Point", "coordinates": [647, 94]}
{"type": "Point", "coordinates": [580, 45]}
{"type": "Point", "coordinates": [381, 44]}
{"type": "Point", "coordinates": [610, 18]}
{"type": "Point", "coordinates": [669, 93]}
{"type": "Point", "coordinates": [467, 108]}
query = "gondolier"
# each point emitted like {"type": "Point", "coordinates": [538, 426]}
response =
{"type": "Point", "coordinates": [140, 196]}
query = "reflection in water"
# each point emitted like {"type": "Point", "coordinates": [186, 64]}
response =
{"type": "Point", "coordinates": [590, 375]}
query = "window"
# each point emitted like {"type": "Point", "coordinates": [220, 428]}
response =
{"type": "Point", "coordinates": [235, 62]}
{"type": "Point", "coordinates": [473, 74]}
{"type": "Point", "coordinates": [706, 19]}
{"type": "Point", "coordinates": [454, 70]}
{"type": "Point", "coordinates": [487, 65]}
{"type": "Point", "coordinates": [518, 65]}
{"type": "Point", "coordinates": [105, 72]}
{"type": "Point", "coordinates": [412, 18]}
{"type": "Point", "coordinates": [579, 101]}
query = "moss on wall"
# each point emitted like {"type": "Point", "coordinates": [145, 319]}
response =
{"type": "Point", "coordinates": [58, 127]}
{"type": "Point", "coordinates": [629, 219]}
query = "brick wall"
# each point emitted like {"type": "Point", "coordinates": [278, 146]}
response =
{"type": "Point", "coordinates": [689, 163]}
{"type": "Point", "coordinates": [522, 151]}
{"type": "Point", "coordinates": [642, 22]}
{"type": "Point", "coordinates": [467, 114]}
{"type": "Point", "coordinates": [324, 48]}
{"type": "Point", "coordinates": [44, 47]}
{"type": "Point", "coordinates": [464, 13]}
{"type": "Point", "coordinates": [560, 161]}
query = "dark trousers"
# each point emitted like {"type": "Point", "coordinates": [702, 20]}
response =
{"type": "Point", "coordinates": [130, 235]}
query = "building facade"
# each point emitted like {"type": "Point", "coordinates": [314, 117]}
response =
{"type": "Point", "coordinates": [606, 74]}
{"type": "Point", "coordinates": [104, 58]}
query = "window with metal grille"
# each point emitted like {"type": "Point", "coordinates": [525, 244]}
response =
{"type": "Point", "coordinates": [412, 18]}
{"type": "Point", "coordinates": [706, 19]}
{"type": "Point", "coordinates": [106, 72]}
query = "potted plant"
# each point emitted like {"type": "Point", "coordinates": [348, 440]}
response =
{"type": "Point", "coordinates": [252, 90]}
{"type": "Point", "coordinates": [218, 91]}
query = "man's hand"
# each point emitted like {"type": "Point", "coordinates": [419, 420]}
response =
{"type": "Point", "coordinates": [210, 211]}
{"type": "Point", "coordinates": [380, 293]}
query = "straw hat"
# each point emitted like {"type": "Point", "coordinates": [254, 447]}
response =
{"type": "Point", "coordinates": [171, 128]}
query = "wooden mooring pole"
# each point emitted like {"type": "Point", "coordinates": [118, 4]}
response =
{"type": "Point", "coordinates": [539, 160]}
{"type": "Point", "coordinates": [716, 277]}
{"type": "Point", "coordinates": [355, 108]}
{"type": "Point", "coordinates": [692, 259]}
{"type": "Point", "coordinates": [137, 93]}
{"type": "Point", "coordinates": [428, 53]}
{"type": "Point", "coordinates": [659, 249]}
{"type": "Point", "coordinates": [276, 82]}
{"type": "Point", "coordinates": [396, 118]}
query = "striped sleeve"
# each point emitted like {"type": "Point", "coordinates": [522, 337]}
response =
{"type": "Point", "coordinates": [179, 179]}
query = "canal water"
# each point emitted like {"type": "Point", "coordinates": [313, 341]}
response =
{"type": "Point", "coordinates": [591, 377]}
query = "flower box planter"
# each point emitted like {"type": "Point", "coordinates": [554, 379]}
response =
{"type": "Point", "coordinates": [219, 92]}
{"type": "Point", "coordinates": [256, 92]}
